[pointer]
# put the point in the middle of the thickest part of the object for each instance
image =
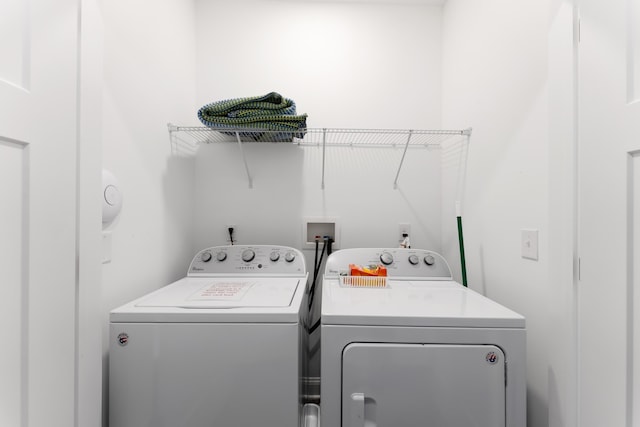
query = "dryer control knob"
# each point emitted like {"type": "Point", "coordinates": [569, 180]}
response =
{"type": "Point", "coordinates": [386, 258]}
{"type": "Point", "coordinates": [221, 256]}
{"type": "Point", "coordinates": [413, 259]}
{"type": "Point", "coordinates": [205, 256]}
{"type": "Point", "coordinates": [289, 256]}
{"type": "Point", "coordinates": [274, 256]}
{"type": "Point", "coordinates": [429, 260]}
{"type": "Point", "coordinates": [248, 255]}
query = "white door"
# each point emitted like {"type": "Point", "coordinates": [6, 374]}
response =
{"type": "Point", "coordinates": [38, 66]}
{"type": "Point", "coordinates": [408, 385]}
{"type": "Point", "coordinates": [609, 212]}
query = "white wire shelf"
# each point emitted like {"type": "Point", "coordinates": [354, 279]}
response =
{"type": "Point", "coordinates": [185, 139]}
{"type": "Point", "coordinates": [315, 136]}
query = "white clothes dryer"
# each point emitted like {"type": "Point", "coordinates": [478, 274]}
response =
{"type": "Point", "coordinates": [221, 347]}
{"type": "Point", "coordinates": [416, 348]}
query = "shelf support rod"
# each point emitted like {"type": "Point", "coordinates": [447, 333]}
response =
{"type": "Point", "coordinates": [324, 149]}
{"type": "Point", "coordinates": [244, 159]}
{"type": "Point", "coordinates": [404, 153]}
{"type": "Point", "coordinates": [172, 138]}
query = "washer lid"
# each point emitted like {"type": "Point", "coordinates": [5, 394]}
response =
{"type": "Point", "coordinates": [414, 303]}
{"type": "Point", "coordinates": [233, 292]}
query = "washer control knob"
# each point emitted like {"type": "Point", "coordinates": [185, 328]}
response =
{"type": "Point", "coordinates": [429, 260]}
{"type": "Point", "coordinates": [289, 256]}
{"type": "Point", "coordinates": [221, 256]}
{"type": "Point", "coordinates": [205, 256]}
{"type": "Point", "coordinates": [248, 255]}
{"type": "Point", "coordinates": [386, 258]}
{"type": "Point", "coordinates": [274, 256]}
{"type": "Point", "coordinates": [413, 259]}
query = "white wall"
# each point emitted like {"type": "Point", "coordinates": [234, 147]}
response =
{"type": "Point", "coordinates": [356, 65]}
{"type": "Point", "coordinates": [149, 80]}
{"type": "Point", "coordinates": [495, 78]}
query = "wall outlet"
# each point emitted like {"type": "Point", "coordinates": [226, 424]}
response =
{"type": "Point", "coordinates": [403, 228]}
{"type": "Point", "coordinates": [312, 227]}
{"type": "Point", "coordinates": [227, 238]}
{"type": "Point", "coordinates": [530, 244]}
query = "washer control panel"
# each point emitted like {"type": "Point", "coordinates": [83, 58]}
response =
{"type": "Point", "coordinates": [259, 260]}
{"type": "Point", "coordinates": [400, 263]}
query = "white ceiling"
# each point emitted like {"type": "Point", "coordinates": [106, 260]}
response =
{"type": "Point", "coordinates": [423, 2]}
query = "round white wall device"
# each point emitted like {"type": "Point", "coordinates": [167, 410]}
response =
{"type": "Point", "coordinates": [111, 198]}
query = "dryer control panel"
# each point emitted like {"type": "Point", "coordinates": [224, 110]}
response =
{"type": "Point", "coordinates": [258, 260]}
{"type": "Point", "coordinates": [400, 263]}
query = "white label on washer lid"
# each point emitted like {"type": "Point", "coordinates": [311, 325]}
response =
{"type": "Point", "coordinates": [222, 291]}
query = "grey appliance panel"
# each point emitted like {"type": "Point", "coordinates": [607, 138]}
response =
{"type": "Point", "coordinates": [430, 385]}
{"type": "Point", "coordinates": [204, 375]}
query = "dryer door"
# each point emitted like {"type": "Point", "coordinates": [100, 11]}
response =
{"type": "Point", "coordinates": [409, 385]}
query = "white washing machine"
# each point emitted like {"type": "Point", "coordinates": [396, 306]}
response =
{"type": "Point", "coordinates": [417, 348]}
{"type": "Point", "coordinates": [220, 347]}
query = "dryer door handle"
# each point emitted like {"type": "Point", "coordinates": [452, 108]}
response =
{"type": "Point", "coordinates": [357, 410]}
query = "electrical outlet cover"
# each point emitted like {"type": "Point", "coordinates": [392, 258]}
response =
{"type": "Point", "coordinates": [404, 227]}
{"type": "Point", "coordinates": [226, 233]}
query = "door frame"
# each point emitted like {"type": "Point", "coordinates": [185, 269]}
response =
{"type": "Point", "coordinates": [89, 401]}
{"type": "Point", "coordinates": [563, 100]}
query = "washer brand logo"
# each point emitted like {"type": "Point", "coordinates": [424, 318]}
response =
{"type": "Point", "coordinates": [123, 339]}
{"type": "Point", "coordinates": [197, 269]}
{"type": "Point", "coordinates": [492, 358]}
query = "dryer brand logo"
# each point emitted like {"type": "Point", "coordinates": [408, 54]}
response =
{"type": "Point", "coordinates": [123, 339]}
{"type": "Point", "coordinates": [492, 358]}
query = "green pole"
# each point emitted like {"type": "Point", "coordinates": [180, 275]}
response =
{"type": "Point", "coordinates": [463, 263]}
